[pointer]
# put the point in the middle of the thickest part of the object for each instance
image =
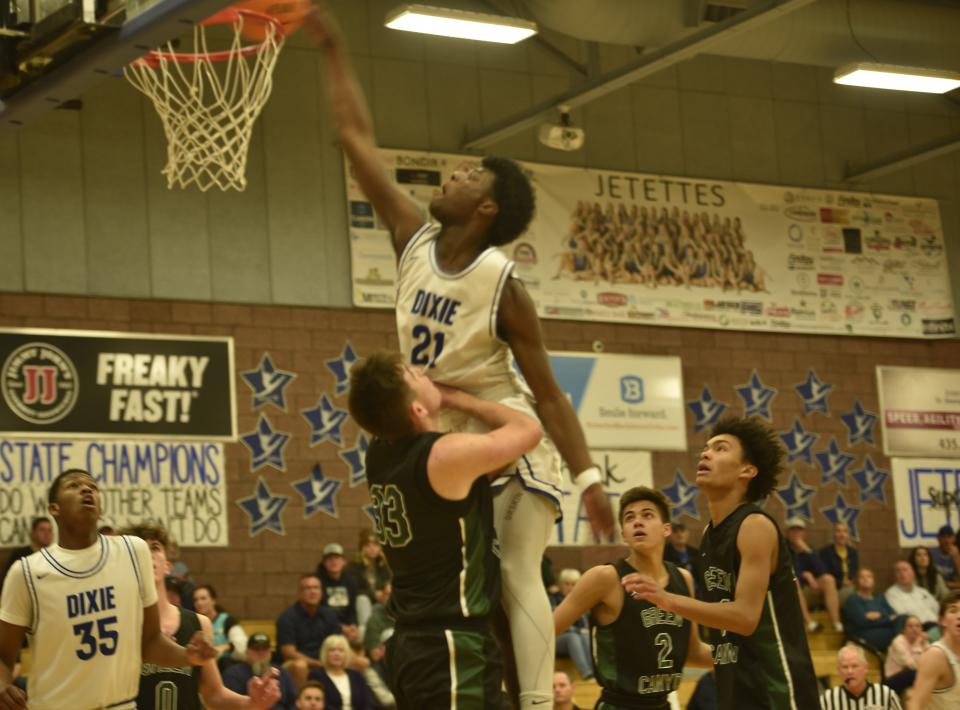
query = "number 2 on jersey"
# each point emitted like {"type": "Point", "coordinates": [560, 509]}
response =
{"type": "Point", "coordinates": [665, 644]}
{"type": "Point", "coordinates": [108, 638]}
{"type": "Point", "coordinates": [425, 342]}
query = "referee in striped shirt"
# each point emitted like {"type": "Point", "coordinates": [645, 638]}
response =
{"type": "Point", "coordinates": [856, 693]}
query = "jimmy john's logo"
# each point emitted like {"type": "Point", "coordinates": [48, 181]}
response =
{"type": "Point", "coordinates": [39, 383]}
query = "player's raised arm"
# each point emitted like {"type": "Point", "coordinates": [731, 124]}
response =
{"type": "Point", "coordinates": [593, 588]}
{"type": "Point", "coordinates": [519, 325]}
{"type": "Point", "coordinates": [457, 460]}
{"type": "Point", "coordinates": [757, 544]}
{"type": "Point", "coordinates": [355, 130]}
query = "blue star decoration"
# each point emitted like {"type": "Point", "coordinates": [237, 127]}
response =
{"type": "Point", "coordinates": [796, 497]}
{"type": "Point", "coordinates": [871, 480]}
{"type": "Point", "coordinates": [840, 512]}
{"type": "Point", "coordinates": [756, 397]}
{"type": "Point", "coordinates": [683, 497]}
{"type": "Point", "coordinates": [325, 421]}
{"type": "Point", "coordinates": [798, 442]}
{"type": "Point", "coordinates": [264, 509]}
{"type": "Point", "coordinates": [268, 383]}
{"type": "Point", "coordinates": [319, 493]}
{"type": "Point", "coordinates": [814, 393]}
{"type": "Point", "coordinates": [340, 367]}
{"type": "Point", "coordinates": [860, 424]}
{"type": "Point", "coordinates": [266, 446]}
{"type": "Point", "coordinates": [833, 464]}
{"type": "Point", "coordinates": [356, 458]}
{"type": "Point", "coordinates": [706, 410]}
{"type": "Point", "coordinates": [371, 512]}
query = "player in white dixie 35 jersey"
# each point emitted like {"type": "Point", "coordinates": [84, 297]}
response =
{"type": "Point", "coordinates": [89, 608]}
{"type": "Point", "coordinates": [460, 317]}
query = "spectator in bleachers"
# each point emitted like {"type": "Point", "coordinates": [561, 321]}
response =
{"type": "Point", "coordinates": [946, 557]}
{"type": "Point", "coordinates": [842, 561]}
{"type": "Point", "coordinates": [229, 638]}
{"type": "Point", "coordinates": [256, 662]}
{"type": "Point", "coordinates": [907, 597]}
{"type": "Point", "coordinates": [372, 573]}
{"type": "Point", "coordinates": [927, 574]}
{"type": "Point", "coordinates": [343, 688]}
{"type": "Point", "coordinates": [302, 629]}
{"type": "Point", "coordinates": [681, 554]}
{"type": "Point", "coordinates": [563, 687]}
{"type": "Point", "coordinates": [575, 641]}
{"type": "Point", "coordinates": [180, 572]}
{"type": "Point", "coordinates": [310, 697]}
{"type": "Point", "coordinates": [817, 585]}
{"type": "Point", "coordinates": [379, 621]}
{"type": "Point", "coordinates": [173, 588]}
{"type": "Point", "coordinates": [340, 590]}
{"type": "Point", "coordinates": [856, 692]}
{"type": "Point", "coordinates": [41, 535]}
{"type": "Point", "coordinates": [868, 616]}
{"type": "Point", "coordinates": [900, 666]}
{"type": "Point", "coordinates": [547, 575]}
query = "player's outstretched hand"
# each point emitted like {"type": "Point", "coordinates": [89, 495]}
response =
{"type": "Point", "coordinates": [320, 25]}
{"type": "Point", "coordinates": [641, 586]}
{"type": "Point", "coordinates": [596, 503]}
{"type": "Point", "coordinates": [200, 650]}
{"type": "Point", "coordinates": [264, 691]}
{"type": "Point", "coordinates": [12, 698]}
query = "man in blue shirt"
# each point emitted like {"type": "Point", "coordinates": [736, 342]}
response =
{"type": "Point", "coordinates": [302, 628]}
{"type": "Point", "coordinates": [256, 664]}
{"type": "Point", "coordinates": [946, 557]}
{"type": "Point", "coordinates": [868, 616]}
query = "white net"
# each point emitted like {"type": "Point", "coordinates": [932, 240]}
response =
{"type": "Point", "coordinates": [209, 101]}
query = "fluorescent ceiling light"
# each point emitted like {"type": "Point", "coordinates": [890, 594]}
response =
{"type": "Point", "coordinates": [889, 76]}
{"type": "Point", "coordinates": [460, 23]}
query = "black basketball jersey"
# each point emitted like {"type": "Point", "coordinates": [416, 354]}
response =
{"type": "Point", "coordinates": [771, 668]}
{"type": "Point", "coordinates": [163, 688]}
{"type": "Point", "coordinates": [442, 552]}
{"type": "Point", "coordinates": [639, 656]}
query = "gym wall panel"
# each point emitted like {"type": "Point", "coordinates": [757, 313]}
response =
{"type": "Point", "coordinates": [799, 147]}
{"type": "Point", "coordinates": [54, 229]}
{"type": "Point", "coordinates": [702, 73]}
{"type": "Point", "coordinates": [705, 120]}
{"type": "Point", "coordinates": [399, 103]}
{"type": "Point", "coordinates": [502, 94]}
{"type": "Point", "coordinates": [745, 77]}
{"type": "Point", "coordinates": [452, 105]}
{"type": "Point", "coordinates": [11, 242]}
{"type": "Point", "coordinates": [659, 131]}
{"type": "Point", "coordinates": [609, 122]}
{"type": "Point", "coordinates": [794, 82]}
{"type": "Point", "coordinates": [842, 137]}
{"type": "Point", "coordinates": [753, 139]}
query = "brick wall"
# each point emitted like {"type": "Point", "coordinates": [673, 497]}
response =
{"type": "Point", "coordinates": [256, 577]}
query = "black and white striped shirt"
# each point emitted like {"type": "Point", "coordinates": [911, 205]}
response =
{"type": "Point", "coordinates": [875, 697]}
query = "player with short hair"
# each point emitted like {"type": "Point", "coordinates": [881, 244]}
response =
{"type": "Point", "coordinates": [89, 607]}
{"type": "Point", "coordinates": [749, 590]}
{"type": "Point", "coordinates": [165, 685]}
{"type": "Point", "coordinates": [435, 521]}
{"type": "Point", "coordinates": [463, 317]}
{"type": "Point", "coordinates": [937, 686]}
{"type": "Point", "coordinates": [639, 650]}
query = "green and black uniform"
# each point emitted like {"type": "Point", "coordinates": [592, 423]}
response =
{"type": "Point", "coordinates": [771, 668]}
{"type": "Point", "coordinates": [639, 656]}
{"type": "Point", "coordinates": [446, 581]}
{"type": "Point", "coordinates": [164, 688]}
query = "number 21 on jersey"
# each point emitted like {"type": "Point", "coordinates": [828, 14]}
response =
{"type": "Point", "coordinates": [427, 346]}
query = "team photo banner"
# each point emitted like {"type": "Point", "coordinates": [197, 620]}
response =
{"type": "Point", "coordinates": [105, 384]}
{"type": "Point", "coordinates": [180, 484]}
{"type": "Point", "coordinates": [919, 411]}
{"type": "Point", "coordinates": [639, 248]}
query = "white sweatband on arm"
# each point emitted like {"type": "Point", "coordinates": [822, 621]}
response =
{"type": "Point", "coordinates": [587, 478]}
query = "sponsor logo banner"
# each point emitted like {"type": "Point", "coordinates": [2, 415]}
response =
{"type": "Point", "coordinates": [920, 411]}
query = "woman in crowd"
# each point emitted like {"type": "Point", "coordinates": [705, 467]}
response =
{"type": "Point", "coordinates": [900, 667]}
{"type": "Point", "coordinates": [343, 688]}
{"type": "Point", "coordinates": [371, 571]}
{"type": "Point", "coordinates": [229, 638]}
{"type": "Point", "coordinates": [927, 574]}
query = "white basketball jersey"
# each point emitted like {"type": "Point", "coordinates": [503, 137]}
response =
{"type": "Point", "coordinates": [447, 324]}
{"type": "Point", "coordinates": [83, 610]}
{"type": "Point", "coordinates": [947, 698]}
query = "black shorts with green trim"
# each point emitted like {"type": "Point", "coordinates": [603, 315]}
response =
{"type": "Point", "coordinates": [439, 668]}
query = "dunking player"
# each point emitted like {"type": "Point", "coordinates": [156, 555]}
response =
{"type": "Point", "coordinates": [435, 521]}
{"type": "Point", "coordinates": [460, 314]}
{"type": "Point", "coordinates": [177, 686]}
{"type": "Point", "coordinates": [639, 650]}
{"type": "Point", "coordinates": [760, 651]}
{"type": "Point", "coordinates": [89, 606]}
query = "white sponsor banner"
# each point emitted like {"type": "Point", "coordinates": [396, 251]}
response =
{"type": "Point", "coordinates": [179, 484]}
{"type": "Point", "coordinates": [927, 492]}
{"type": "Point", "coordinates": [622, 470]}
{"type": "Point", "coordinates": [666, 250]}
{"type": "Point", "coordinates": [625, 401]}
{"type": "Point", "coordinates": [919, 411]}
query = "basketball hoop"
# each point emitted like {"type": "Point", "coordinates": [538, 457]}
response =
{"type": "Point", "coordinates": [208, 100]}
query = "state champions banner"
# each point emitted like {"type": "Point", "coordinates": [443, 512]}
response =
{"type": "Point", "coordinates": [180, 484]}
{"type": "Point", "coordinates": [639, 248]}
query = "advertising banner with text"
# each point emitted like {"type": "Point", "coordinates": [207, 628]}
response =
{"type": "Point", "coordinates": [107, 384]}
{"type": "Point", "coordinates": [663, 250]}
{"type": "Point", "coordinates": [927, 493]}
{"type": "Point", "coordinates": [919, 411]}
{"type": "Point", "coordinates": [180, 484]}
